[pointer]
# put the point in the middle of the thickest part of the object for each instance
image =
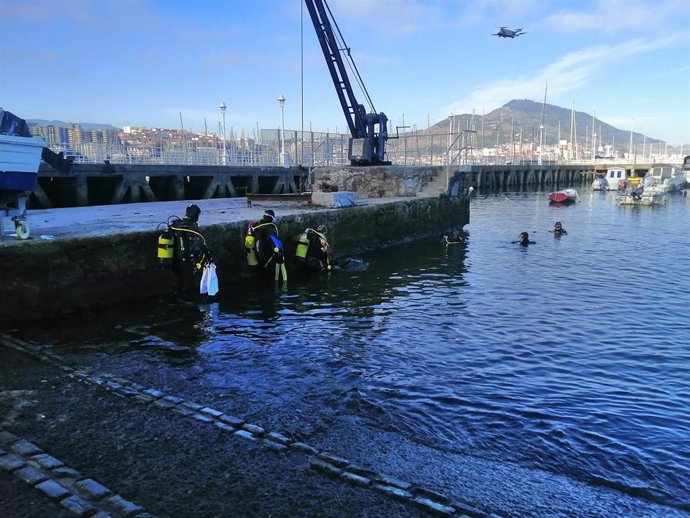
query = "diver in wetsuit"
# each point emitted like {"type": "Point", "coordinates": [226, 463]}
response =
{"type": "Point", "coordinates": [191, 253]}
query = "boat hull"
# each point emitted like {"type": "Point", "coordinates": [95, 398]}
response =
{"type": "Point", "coordinates": [19, 161]}
{"type": "Point", "coordinates": [564, 197]}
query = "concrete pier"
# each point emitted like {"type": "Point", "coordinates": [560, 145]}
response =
{"type": "Point", "coordinates": [99, 184]}
{"type": "Point", "coordinates": [89, 257]}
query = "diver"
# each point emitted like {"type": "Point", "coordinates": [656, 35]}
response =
{"type": "Point", "coordinates": [264, 248]}
{"type": "Point", "coordinates": [313, 252]}
{"type": "Point", "coordinates": [453, 238]}
{"type": "Point", "coordinates": [558, 229]}
{"type": "Point", "coordinates": [523, 239]}
{"type": "Point", "coordinates": [190, 253]}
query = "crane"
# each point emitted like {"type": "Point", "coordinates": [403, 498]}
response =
{"type": "Point", "coordinates": [367, 144]}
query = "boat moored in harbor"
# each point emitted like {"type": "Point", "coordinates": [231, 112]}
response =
{"type": "Point", "coordinates": [564, 197]}
{"type": "Point", "coordinates": [664, 178]}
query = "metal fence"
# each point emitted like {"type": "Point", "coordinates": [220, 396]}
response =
{"type": "Point", "coordinates": [312, 149]}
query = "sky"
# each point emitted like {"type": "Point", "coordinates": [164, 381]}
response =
{"type": "Point", "coordinates": [171, 63]}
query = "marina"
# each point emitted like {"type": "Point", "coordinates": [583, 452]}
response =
{"type": "Point", "coordinates": [466, 372]}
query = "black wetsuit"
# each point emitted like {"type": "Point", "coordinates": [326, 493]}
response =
{"type": "Point", "coordinates": [190, 251]}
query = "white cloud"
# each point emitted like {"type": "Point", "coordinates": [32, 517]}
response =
{"type": "Point", "coordinates": [570, 73]}
{"type": "Point", "coordinates": [613, 16]}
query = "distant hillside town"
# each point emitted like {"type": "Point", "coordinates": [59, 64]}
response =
{"type": "Point", "coordinates": [521, 131]}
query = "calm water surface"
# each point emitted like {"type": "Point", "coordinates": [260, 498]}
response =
{"type": "Point", "coordinates": [571, 356]}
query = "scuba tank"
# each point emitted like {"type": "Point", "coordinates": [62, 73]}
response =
{"type": "Point", "coordinates": [302, 247]}
{"type": "Point", "coordinates": [250, 249]}
{"type": "Point", "coordinates": [166, 249]}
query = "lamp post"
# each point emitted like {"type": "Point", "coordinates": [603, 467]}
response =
{"type": "Point", "coordinates": [281, 101]}
{"type": "Point", "coordinates": [223, 107]}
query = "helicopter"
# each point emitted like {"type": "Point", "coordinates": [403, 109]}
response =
{"type": "Point", "coordinates": [505, 32]}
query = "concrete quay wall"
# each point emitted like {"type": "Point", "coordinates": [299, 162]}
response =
{"type": "Point", "coordinates": [96, 264]}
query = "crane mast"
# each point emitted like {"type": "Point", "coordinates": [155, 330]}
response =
{"type": "Point", "coordinates": [367, 144]}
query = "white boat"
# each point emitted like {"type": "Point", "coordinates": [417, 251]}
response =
{"type": "Point", "coordinates": [600, 184]}
{"type": "Point", "coordinates": [20, 156]}
{"type": "Point", "coordinates": [641, 196]}
{"type": "Point", "coordinates": [617, 179]}
{"type": "Point", "coordinates": [664, 178]}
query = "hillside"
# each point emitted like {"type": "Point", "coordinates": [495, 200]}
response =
{"type": "Point", "coordinates": [524, 116]}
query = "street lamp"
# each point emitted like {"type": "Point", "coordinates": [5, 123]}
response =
{"type": "Point", "coordinates": [283, 161]}
{"type": "Point", "coordinates": [223, 107]}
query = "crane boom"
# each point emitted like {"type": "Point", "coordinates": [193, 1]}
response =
{"type": "Point", "coordinates": [367, 145]}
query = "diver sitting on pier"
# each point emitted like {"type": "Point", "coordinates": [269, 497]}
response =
{"type": "Point", "coordinates": [313, 253]}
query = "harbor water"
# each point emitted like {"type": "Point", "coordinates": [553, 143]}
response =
{"type": "Point", "coordinates": [549, 380]}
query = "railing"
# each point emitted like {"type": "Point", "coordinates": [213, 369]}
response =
{"type": "Point", "coordinates": [322, 149]}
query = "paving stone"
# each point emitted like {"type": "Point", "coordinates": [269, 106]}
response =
{"type": "Point", "coordinates": [31, 475]}
{"type": "Point", "coordinates": [7, 437]}
{"type": "Point", "coordinates": [93, 488]}
{"type": "Point", "coordinates": [363, 472]}
{"type": "Point", "coordinates": [275, 445]}
{"type": "Point", "coordinates": [277, 437]}
{"type": "Point", "coordinates": [81, 374]}
{"type": "Point", "coordinates": [77, 505]}
{"type": "Point", "coordinates": [137, 386]}
{"type": "Point", "coordinates": [112, 385]}
{"type": "Point", "coordinates": [304, 447]}
{"type": "Point", "coordinates": [357, 479]}
{"type": "Point", "coordinates": [53, 490]}
{"type": "Point", "coordinates": [431, 495]}
{"type": "Point", "coordinates": [468, 510]}
{"type": "Point", "coordinates": [23, 447]}
{"type": "Point", "coordinates": [47, 461]}
{"type": "Point", "coordinates": [11, 462]}
{"type": "Point", "coordinates": [256, 430]}
{"type": "Point", "coordinates": [231, 420]}
{"type": "Point", "coordinates": [123, 505]}
{"type": "Point", "coordinates": [211, 411]}
{"type": "Point", "coordinates": [433, 507]}
{"type": "Point", "coordinates": [174, 399]}
{"type": "Point", "coordinates": [165, 405]}
{"type": "Point", "coordinates": [121, 381]}
{"type": "Point", "coordinates": [192, 405]}
{"type": "Point", "coordinates": [203, 418]}
{"type": "Point", "coordinates": [154, 393]}
{"type": "Point", "coordinates": [338, 461]}
{"type": "Point", "coordinates": [98, 380]}
{"type": "Point", "coordinates": [183, 411]}
{"type": "Point", "coordinates": [128, 391]}
{"type": "Point", "coordinates": [392, 481]}
{"type": "Point", "coordinates": [325, 467]}
{"type": "Point", "coordinates": [144, 398]}
{"type": "Point", "coordinates": [245, 435]}
{"type": "Point", "coordinates": [393, 491]}
{"type": "Point", "coordinates": [65, 472]}
{"type": "Point", "coordinates": [224, 426]}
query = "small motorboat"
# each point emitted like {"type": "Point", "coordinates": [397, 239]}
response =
{"type": "Point", "coordinates": [641, 196]}
{"type": "Point", "coordinates": [564, 197]}
{"type": "Point", "coordinates": [20, 156]}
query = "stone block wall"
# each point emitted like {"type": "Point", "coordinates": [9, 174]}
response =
{"type": "Point", "coordinates": [43, 279]}
{"type": "Point", "coordinates": [377, 181]}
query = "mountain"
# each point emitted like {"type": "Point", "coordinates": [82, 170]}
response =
{"type": "Point", "coordinates": [84, 125]}
{"type": "Point", "coordinates": [522, 117]}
